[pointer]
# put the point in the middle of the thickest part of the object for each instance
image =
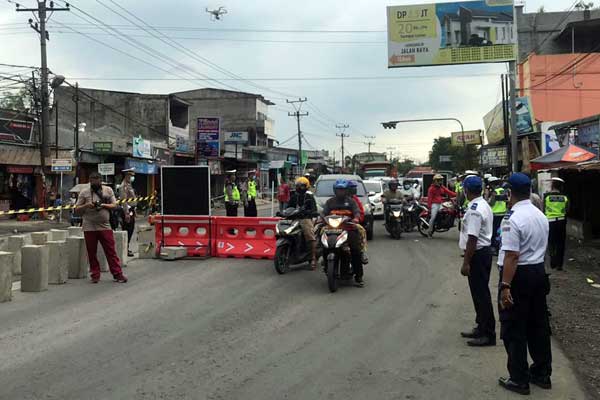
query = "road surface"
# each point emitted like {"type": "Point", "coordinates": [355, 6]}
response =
{"type": "Point", "coordinates": [234, 329]}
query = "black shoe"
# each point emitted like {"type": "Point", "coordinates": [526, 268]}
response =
{"type": "Point", "coordinates": [508, 384]}
{"type": "Point", "coordinates": [542, 381]}
{"type": "Point", "coordinates": [130, 254]}
{"type": "Point", "coordinates": [359, 282]}
{"type": "Point", "coordinates": [482, 341]}
{"type": "Point", "coordinates": [472, 334]}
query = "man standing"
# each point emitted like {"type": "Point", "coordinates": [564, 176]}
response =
{"type": "Point", "coordinates": [555, 208]}
{"type": "Point", "coordinates": [523, 289]}
{"type": "Point", "coordinates": [435, 198]}
{"type": "Point", "coordinates": [283, 194]}
{"type": "Point", "coordinates": [126, 192]}
{"type": "Point", "coordinates": [497, 200]}
{"type": "Point", "coordinates": [232, 195]}
{"type": "Point", "coordinates": [252, 194]}
{"type": "Point", "coordinates": [475, 240]}
{"type": "Point", "coordinates": [95, 204]}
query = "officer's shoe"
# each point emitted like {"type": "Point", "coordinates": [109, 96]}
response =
{"type": "Point", "coordinates": [541, 381]}
{"type": "Point", "coordinates": [508, 384]}
{"type": "Point", "coordinates": [482, 341]}
{"type": "Point", "coordinates": [472, 334]}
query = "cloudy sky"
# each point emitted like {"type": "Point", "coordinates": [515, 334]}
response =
{"type": "Point", "coordinates": [250, 42]}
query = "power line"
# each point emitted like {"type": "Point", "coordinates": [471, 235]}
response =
{"type": "Point", "coordinates": [570, 10]}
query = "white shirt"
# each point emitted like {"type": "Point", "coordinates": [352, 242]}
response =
{"type": "Point", "coordinates": [524, 229]}
{"type": "Point", "coordinates": [478, 221]}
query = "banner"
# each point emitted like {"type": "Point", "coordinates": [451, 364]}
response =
{"type": "Point", "coordinates": [493, 157]}
{"type": "Point", "coordinates": [494, 124]}
{"type": "Point", "coordinates": [524, 115]}
{"type": "Point", "coordinates": [469, 137]}
{"type": "Point", "coordinates": [208, 136]}
{"type": "Point", "coordinates": [463, 32]}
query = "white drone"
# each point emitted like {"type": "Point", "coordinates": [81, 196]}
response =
{"type": "Point", "coordinates": [217, 15]}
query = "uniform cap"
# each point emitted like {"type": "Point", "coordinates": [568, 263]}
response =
{"type": "Point", "coordinates": [473, 183]}
{"type": "Point", "coordinates": [493, 179]}
{"type": "Point", "coordinates": [471, 172]}
{"type": "Point", "coordinates": [519, 181]}
{"type": "Point", "coordinates": [487, 176]}
{"type": "Point", "coordinates": [556, 179]}
{"type": "Point", "coordinates": [130, 170]}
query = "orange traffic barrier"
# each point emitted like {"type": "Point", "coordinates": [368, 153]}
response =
{"type": "Point", "coordinates": [191, 231]}
{"type": "Point", "coordinates": [244, 237]}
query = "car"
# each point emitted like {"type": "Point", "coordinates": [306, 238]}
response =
{"type": "Point", "coordinates": [375, 188]}
{"type": "Point", "coordinates": [324, 191]}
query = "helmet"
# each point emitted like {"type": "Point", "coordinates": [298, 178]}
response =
{"type": "Point", "coordinates": [341, 184]}
{"type": "Point", "coordinates": [302, 181]}
{"type": "Point", "coordinates": [493, 179]}
{"type": "Point", "coordinates": [393, 182]}
{"type": "Point", "coordinates": [438, 177]}
{"type": "Point", "coordinates": [352, 184]}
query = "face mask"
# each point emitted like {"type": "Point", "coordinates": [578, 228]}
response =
{"type": "Point", "coordinates": [406, 187]}
{"type": "Point", "coordinates": [95, 186]}
{"type": "Point", "coordinates": [132, 179]}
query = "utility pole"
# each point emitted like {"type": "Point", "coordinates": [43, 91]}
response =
{"type": "Point", "coordinates": [391, 150]}
{"type": "Point", "coordinates": [342, 134]}
{"type": "Point", "coordinates": [369, 143]}
{"type": "Point", "coordinates": [514, 143]}
{"type": "Point", "coordinates": [297, 114]}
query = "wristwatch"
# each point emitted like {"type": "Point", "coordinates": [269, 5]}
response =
{"type": "Point", "coordinates": [504, 285]}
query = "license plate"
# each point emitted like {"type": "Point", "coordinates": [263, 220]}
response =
{"type": "Point", "coordinates": [333, 231]}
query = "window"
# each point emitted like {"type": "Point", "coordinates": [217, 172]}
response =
{"type": "Point", "coordinates": [373, 187]}
{"type": "Point", "coordinates": [503, 33]}
{"type": "Point", "coordinates": [457, 36]}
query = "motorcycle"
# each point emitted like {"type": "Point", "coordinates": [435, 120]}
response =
{"type": "Point", "coordinates": [395, 218]}
{"type": "Point", "coordinates": [443, 223]}
{"type": "Point", "coordinates": [336, 250]}
{"type": "Point", "coordinates": [410, 220]}
{"type": "Point", "coordinates": [291, 248]}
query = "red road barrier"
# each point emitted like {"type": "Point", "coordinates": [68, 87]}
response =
{"type": "Point", "coordinates": [191, 231]}
{"type": "Point", "coordinates": [244, 237]}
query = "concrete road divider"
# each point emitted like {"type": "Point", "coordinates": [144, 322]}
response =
{"type": "Point", "coordinates": [7, 260]}
{"type": "Point", "coordinates": [34, 270]}
{"type": "Point", "coordinates": [146, 251]}
{"type": "Point", "coordinates": [40, 238]}
{"type": "Point", "coordinates": [58, 235]}
{"type": "Point", "coordinates": [75, 231]}
{"type": "Point", "coordinates": [78, 261]}
{"type": "Point", "coordinates": [14, 245]}
{"type": "Point", "coordinates": [58, 262]}
{"type": "Point", "coordinates": [121, 246]}
{"type": "Point", "coordinates": [173, 253]}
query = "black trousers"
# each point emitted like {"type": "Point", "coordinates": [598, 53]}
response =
{"type": "Point", "coordinates": [355, 254]}
{"type": "Point", "coordinates": [556, 243]}
{"type": "Point", "coordinates": [479, 284]}
{"type": "Point", "coordinates": [496, 224]}
{"type": "Point", "coordinates": [231, 209]}
{"type": "Point", "coordinates": [129, 227]}
{"type": "Point", "coordinates": [526, 325]}
{"type": "Point", "coordinates": [250, 208]}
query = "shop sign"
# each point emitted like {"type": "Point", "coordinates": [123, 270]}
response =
{"type": "Point", "coordinates": [141, 166]}
{"type": "Point", "coordinates": [142, 148]}
{"type": "Point", "coordinates": [106, 169]}
{"type": "Point", "coordinates": [492, 157]}
{"type": "Point", "coordinates": [466, 137]}
{"type": "Point", "coordinates": [235, 137]}
{"type": "Point", "coordinates": [19, 170]}
{"type": "Point", "coordinates": [16, 130]}
{"type": "Point", "coordinates": [208, 133]}
{"type": "Point", "coordinates": [183, 145]}
{"type": "Point", "coordinates": [62, 165]}
{"type": "Point", "coordinates": [102, 147]}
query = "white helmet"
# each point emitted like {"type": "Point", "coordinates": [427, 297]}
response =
{"type": "Point", "coordinates": [492, 179]}
{"type": "Point", "coordinates": [487, 176]}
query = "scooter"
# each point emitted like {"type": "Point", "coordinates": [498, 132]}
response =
{"type": "Point", "coordinates": [410, 210]}
{"type": "Point", "coordinates": [336, 250]}
{"type": "Point", "coordinates": [395, 218]}
{"type": "Point", "coordinates": [291, 248]}
{"type": "Point", "coordinates": [443, 222]}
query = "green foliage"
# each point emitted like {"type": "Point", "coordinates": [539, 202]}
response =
{"type": "Point", "coordinates": [18, 101]}
{"type": "Point", "coordinates": [462, 158]}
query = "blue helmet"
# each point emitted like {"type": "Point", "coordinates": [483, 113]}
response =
{"type": "Point", "coordinates": [341, 184]}
{"type": "Point", "coordinates": [352, 184]}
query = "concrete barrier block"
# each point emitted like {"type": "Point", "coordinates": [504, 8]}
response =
{"type": "Point", "coordinates": [14, 245]}
{"type": "Point", "coordinates": [146, 234]}
{"type": "Point", "coordinates": [77, 256]}
{"type": "Point", "coordinates": [7, 260]}
{"type": "Point", "coordinates": [40, 238]}
{"type": "Point", "coordinates": [121, 246]}
{"type": "Point", "coordinates": [173, 253]}
{"type": "Point", "coordinates": [146, 250]}
{"type": "Point", "coordinates": [75, 231]}
{"type": "Point", "coordinates": [58, 235]}
{"type": "Point", "coordinates": [58, 262]}
{"type": "Point", "coordinates": [34, 270]}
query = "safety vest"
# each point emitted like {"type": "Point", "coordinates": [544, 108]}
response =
{"type": "Point", "coordinates": [499, 207]}
{"type": "Point", "coordinates": [235, 193]}
{"type": "Point", "coordinates": [252, 189]}
{"type": "Point", "coordinates": [458, 187]}
{"type": "Point", "coordinates": [555, 206]}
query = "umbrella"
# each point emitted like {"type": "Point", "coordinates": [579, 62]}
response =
{"type": "Point", "coordinates": [570, 154]}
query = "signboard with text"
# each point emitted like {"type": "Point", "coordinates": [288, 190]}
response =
{"type": "Point", "coordinates": [62, 165]}
{"type": "Point", "coordinates": [235, 137]}
{"type": "Point", "coordinates": [142, 148]}
{"type": "Point", "coordinates": [468, 137]}
{"type": "Point", "coordinates": [102, 147]}
{"type": "Point", "coordinates": [208, 137]}
{"type": "Point", "coordinates": [462, 32]}
{"type": "Point", "coordinates": [106, 169]}
{"type": "Point", "coordinates": [494, 157]}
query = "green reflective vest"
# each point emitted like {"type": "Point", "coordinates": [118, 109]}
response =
{"type": "Point", "coordinates": [235, 193]}
{"type": "Point", "coordinates": [555, 206]}
{"type": "Point", "coordinates": [499, 207]}
{"type": "Point", "coordinates": [252, 194]}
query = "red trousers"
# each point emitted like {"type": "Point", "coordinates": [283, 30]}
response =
{"type": "Point", "coordinates": [107, 241]}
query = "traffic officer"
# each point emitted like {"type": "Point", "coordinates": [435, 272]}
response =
{"type": "Point", "coordinates": [232, 195]}
{"type": "Point", "coordinates": [475, 240]}
{"type": "Point", "coordinates": [252, 194]}
{"type": "Point", "coordinates": [498, 201]}
{"type": "Point", "coordinates": [555, 208]}
{"type": "Point", "coordinates": [522, 291]}
{"type": "Point", "coordinates": [126, 192]}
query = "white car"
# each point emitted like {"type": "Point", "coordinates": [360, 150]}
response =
{"type": "Point", "coordinates": [375, 188]}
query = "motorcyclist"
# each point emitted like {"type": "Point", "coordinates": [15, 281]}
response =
{"type": "Point", "coordinates": [389, 195]}
{"type": "Point", "coordinates": [408, 191]}
{"type": "Point", "coordinates": [352, 185]}
{"type": "Point", "coordinates": [302, 199]}
{"type": "Point", "coordinates": [343, 204]}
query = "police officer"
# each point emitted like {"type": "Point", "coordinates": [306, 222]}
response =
{"type": "Point", "coordinates": [232, 195]}
{"type": "Point", "coordinates": [498, 201]}
{"type": "Point", "coordinates": [126, 191]}
{"type": "Point", "coordinates": [523, 289]}
{"type": "Point", "coordinates": [475, 240]}
{"type": "Point", "coordinates": [555, 208]}
{"type": "Point", "coordinates": [252, 194]}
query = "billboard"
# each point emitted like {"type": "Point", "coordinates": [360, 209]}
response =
{"type": "Point", "coordinates": [524, 115]}
{"type": "Point", "coordinates": [466, 137]}
{"type": "Point", "coordinates": [235, 137]}
{"type": "Point", "coordinates": [464, 32]}
{"type": "Point", "coordinates": [494, 157]}
{"type": "Point", "coordinates": [494, 124]}
{"type": "Point", "coordinates": [208, 137]}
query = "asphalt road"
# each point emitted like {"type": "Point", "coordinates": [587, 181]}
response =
{"type": "Point", "coordinates": [234, 329]}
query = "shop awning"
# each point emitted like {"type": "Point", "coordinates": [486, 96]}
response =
{"type": "Point", "coordinates": [571, 154]}
{"type": "Point", "coordinates": [277, 164]}
{"type": "Point", "coordinates": [27, 155]}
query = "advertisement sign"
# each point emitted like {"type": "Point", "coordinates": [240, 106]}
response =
{"type": "Point", "coordinates": [142, 148]}
{"type": "Point", "coordinates": [492, 157]}
{"type": "Point", "coordinates": [469, 137]}
{"type": "Point", "coordinates": [183, 145]}
{"type": "Point", "coordinates": [445, 159]}
{"type": "Point", "coordinates": [102, 147]}
{"type": "Point", "coordinates": [235, 137]}
{"type": "Point", "coordinates": [16, 130]}
{"type": "Point", "coordinates": [141, 166]}
{"type": "Point", "coordinates": [208, 149]}
{"type": "Point", "coordinates": [524, 115]}
{"type": "Point", "coordinates": [106, 169]}
{"type": "Point", "coordinates": [208, 133]}
{"type": "Point", "coordinates": [463, 32]}
{"type": "Point", "coordinates": [493, 122]}
{"type": "Point", "coordinates": [62, 165]}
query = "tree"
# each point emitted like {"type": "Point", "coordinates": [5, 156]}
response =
{"type": "Point", "coordinates": [18, 101]}
{"type": "Point", "coordinates": [404, 166]}
{"type": "Point", "coordinates": [461, 158]}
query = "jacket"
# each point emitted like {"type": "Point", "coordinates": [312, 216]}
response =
{"type": "Point", "coordinates": [435, 194]}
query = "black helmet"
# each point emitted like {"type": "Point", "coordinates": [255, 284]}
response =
{"type": "Point", "coordinates": [393, 182]}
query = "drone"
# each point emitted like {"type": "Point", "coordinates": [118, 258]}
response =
{"type": "Point", "coordinates": [217, 15]}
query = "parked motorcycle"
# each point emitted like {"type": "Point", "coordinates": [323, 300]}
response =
{"type": "Point", "coordinates": [445, 219]}
{"type": "Point", "coordinates": [292, 248]}
{"type": "Point", "coordinates": [336, 250]}
{"type": "Point", "coordinates": [394, 210]}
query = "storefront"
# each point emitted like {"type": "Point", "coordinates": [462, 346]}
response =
{"type": "Point", "coordinates": [146, 172]}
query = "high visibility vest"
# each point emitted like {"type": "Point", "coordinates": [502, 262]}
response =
{"type": "Point", "coordinates": [252, 194]}
{"type": "Point", "coordinates": [458, 187]}
{"type": "Point", "coordinates": [555, 206]}
{"type": "Point", "coordinates": [235, 193]}
{"type": "Point", "coordinates": [499, 207]}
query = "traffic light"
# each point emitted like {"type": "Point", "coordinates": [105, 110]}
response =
{"type": "Point", "coordinates": [389, 125]}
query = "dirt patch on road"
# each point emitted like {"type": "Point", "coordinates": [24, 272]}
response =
{"type": "Point", "coordinates": [575, 307]}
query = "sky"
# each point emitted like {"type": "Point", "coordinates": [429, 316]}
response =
{"type": "Point", "coordinates": [279, 62]}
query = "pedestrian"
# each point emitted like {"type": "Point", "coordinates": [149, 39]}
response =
{"type": "Point", "coordinates": [475, 241]}
{"type": "Point", "coordinates": [126, 192]}
{"type": "Point", "coordinates": [498, 200]}
{"type": "Point", "coordinates": [555, 208]}
{"type": "Point", "coordinates": [232, 195]}
{"type": "Point", "coordinates": [95, 204]}
{"type": "Point", "coordinates": [435, 198]}
{"type": "Point", "coordinates": [523, 288]}
{"type": "Point", "coordinates": [283, 195]}
{"type": "Point", "coordinates": [251, 195]}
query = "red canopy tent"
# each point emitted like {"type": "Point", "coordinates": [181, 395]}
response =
{"type": "Point", "coordinates": [571, 154]}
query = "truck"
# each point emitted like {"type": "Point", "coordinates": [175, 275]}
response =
{"type": "Point", "coordinates": [376, 169]}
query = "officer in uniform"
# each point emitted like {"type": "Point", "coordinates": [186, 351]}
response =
{"type": "Point", "coordinates": [232, 195]}
{"type": "Point", "coordinates": [252, 194]}
{"type": "Point", "coordinates": [498, 201]}
{"type": "Point", "coordinates": [126, 192]}
{"type": "Point", "coordinates": [523, 289]}
{"type": "Point", "coordinates": [555, 208]}
{"type": "Point", "coordinates": [475, 239]}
